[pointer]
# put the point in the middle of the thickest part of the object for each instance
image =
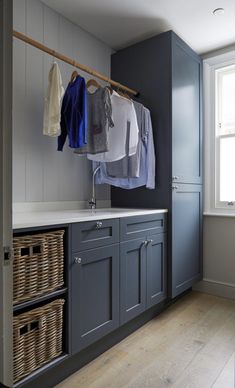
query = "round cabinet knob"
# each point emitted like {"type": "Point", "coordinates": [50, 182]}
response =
{"type": "Point", "coordinates": [175, 187]}
{"type": "Point", "coordinates": [99, 224]}
{"type": "Point", "coordinates": [174, 178]}
{"type": "Point", "coordinates": [77, 260]}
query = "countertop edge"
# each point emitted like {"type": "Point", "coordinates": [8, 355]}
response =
{"type": "Point", "coordinates": [95, 217]}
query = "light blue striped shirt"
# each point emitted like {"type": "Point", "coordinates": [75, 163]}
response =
{"type": "Point", "coordinates": [147, 162]}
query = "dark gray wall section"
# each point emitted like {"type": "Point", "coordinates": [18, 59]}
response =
{"type": "Point", "coordinates": [146, 67]}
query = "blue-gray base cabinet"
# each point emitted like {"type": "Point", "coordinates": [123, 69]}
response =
{"type": "Point", "coordinates": [95, 295]}
{"type": "Point", "coordinates": [112, 284]}
{"type": "Point", "coordinates": [142, 275]}
{"type": "Point", "coordinates": [116, 281]}
{"type": "Point", "coordinates": [143, 263]}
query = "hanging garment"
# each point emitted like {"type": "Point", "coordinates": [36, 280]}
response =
{"type": "Point", "coordinates": [74, 115]}
{"type": "Point", "coordinates": [52, 105]}
{"type": "Point", "coordinates": [99, 122]}
{"type": "Point", "coordinates": [129, 166]}
{"type": "Point", "coordinates": [123, 111]}
{"type": "Point", "coordinates": [147, 163]}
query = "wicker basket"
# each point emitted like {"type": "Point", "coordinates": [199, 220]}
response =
{"type": "Point", "coordinates": [37, 338]}
{"type": "Point", "coordinates": [38, 264]}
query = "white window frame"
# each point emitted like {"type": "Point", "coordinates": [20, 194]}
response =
{"type": "Point", "coordinates": [211, 171]}
{"type": "Point", "coordinates": [220, 204]}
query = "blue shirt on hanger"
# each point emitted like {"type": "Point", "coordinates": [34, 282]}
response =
{"type": "Point", "coordinates": [74, 115]}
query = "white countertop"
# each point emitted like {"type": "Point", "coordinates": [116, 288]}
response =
{"type": "Point", "coordinates": [57, 217]}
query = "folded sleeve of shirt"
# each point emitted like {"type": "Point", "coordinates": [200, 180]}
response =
{"type": "Point", "coordinates": [63, 134]}
{"type": "Point", "coordinates": [134, 130]}
{"type": "Point", "coordinates": [151, 158]}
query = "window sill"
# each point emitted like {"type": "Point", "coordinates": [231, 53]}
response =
{"type": "Point", "coordinates": [217, 214]}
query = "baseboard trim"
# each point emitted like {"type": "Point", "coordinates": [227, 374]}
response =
{"type": "Point", "coordinates": [213, 287]}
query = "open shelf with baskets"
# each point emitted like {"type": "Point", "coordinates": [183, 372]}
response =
{"type": "Point", "coordinates": [40, 305]}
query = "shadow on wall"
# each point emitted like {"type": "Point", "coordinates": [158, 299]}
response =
{"type": "Point", "coordinates": [129, 28]}
{"type": "Point", "coordinates": [133, 29]}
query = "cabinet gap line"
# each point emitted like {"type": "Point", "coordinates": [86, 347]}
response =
{"type": "Point", "coordinates": [72, 62]}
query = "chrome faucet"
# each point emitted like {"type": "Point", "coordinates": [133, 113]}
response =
{"type": "Point", "coordinates": [92, 202]}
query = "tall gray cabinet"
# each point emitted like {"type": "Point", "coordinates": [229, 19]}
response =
{"type": "Point", "coordinates": [167, 72]}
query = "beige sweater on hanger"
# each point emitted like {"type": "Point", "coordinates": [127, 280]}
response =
{"type": "Point", "coordinates": [52, 106]}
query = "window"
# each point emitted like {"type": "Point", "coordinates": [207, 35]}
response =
{"type": "Point", "coordinates": [225, 137]}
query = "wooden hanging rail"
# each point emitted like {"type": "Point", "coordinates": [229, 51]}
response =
{"type": "Point", "coordinates": [71, 62]}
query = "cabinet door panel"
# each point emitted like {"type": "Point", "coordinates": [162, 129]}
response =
{"type": "Point", "coordinates": [132, 279]}
{"type": "Point", "coordinates": [186, 237]}
{"type": "Point", "coordinates": [95, 295]}
{"type": "Point", "coordinates": [156, 269]}
{"type": "Point", "coordinates": [186, 116]}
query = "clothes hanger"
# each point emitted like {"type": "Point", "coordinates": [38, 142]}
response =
{"type": "Point", "coordinates": [125, 95]}
{"type": "Point", "coordinates": [93, 82]}
{"type": "Point", "coordinates": [110, 89]}
{"type": "Point", "coordinates": [74, 75]}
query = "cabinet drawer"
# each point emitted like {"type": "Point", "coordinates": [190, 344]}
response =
{"type": "Point", "coordinates": [139, 226]}
{"type": "Point", "coordinates": [93, 234]}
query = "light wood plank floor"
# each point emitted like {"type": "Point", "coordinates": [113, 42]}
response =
{"type": "Point", "coordinates": [190, 345]}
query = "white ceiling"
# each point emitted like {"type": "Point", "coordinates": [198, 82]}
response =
{"type": "Point", "coordinates": [120, 23]}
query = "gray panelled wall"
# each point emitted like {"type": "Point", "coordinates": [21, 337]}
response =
{"type": "Point", "coordinates": [40, 173]}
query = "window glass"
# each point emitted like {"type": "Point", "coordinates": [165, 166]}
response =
{"type": "Point", "coordinates": [226, 102]}
{"type": "Point", "coordinates": [227, 169]}
{"type": "Point", "coordinates": [225, 136]}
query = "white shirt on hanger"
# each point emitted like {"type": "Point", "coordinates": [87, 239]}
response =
{"type": "Point", "coordinates": [52, 107]}
{"type": "Point", "coordinates": [123, 111]}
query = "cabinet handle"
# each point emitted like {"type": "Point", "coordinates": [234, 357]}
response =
{"type": "Point", "coordinates": [175, 187]}
{"type": "Point", "coordinates": [144, 243]}
{"type": "Point", "coordinates": [150, 241]}
{"type": "Point", "coordinates": [174, 178]}
{"type": "Point", "coordinates": [77, 260]}
{"type": "Point", "coordinates": [99, 224]}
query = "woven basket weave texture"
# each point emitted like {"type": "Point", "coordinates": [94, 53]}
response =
{"type": "Point", "coordinates": [37, 338]}
{"type": "Point", "coordinates": [38, 266]}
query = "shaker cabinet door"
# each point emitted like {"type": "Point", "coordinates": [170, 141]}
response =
{"type": "Point", "coordinates": [132, 279]}
{"type": "Point", "coordinates": [186, 237]}
{"type": "Point", "coordinates": [95, 295]}
{"type": "Point", "coordinates": [156, 269]}
{"type": "Point", "coordinates": [186, 115]}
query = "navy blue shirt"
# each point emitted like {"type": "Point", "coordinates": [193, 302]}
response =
{"type": "Point", "coordinates": [74, 115]}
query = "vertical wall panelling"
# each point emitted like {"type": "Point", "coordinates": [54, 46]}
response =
{"type": "Point", "coordinates": [40, 173]}
{"type": "Point", "coordinates": [34, 106]}
{"type": "Point", "coordinates": [19, 80]}
{"type": "Point", "coordinates": [51, 172]}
